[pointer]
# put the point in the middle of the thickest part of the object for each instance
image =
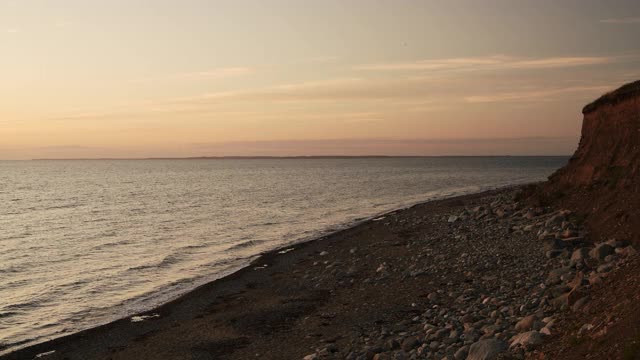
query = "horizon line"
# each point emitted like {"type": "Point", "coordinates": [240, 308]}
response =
{"type": "Point", "coordinates": [302, 157]}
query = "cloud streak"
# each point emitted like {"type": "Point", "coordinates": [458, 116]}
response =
{"type": "Point", "coordinates": [217, 73]}
{"type": "Point", "coordinates": [623, 20]}
{"type": "Point", "coordinates": [495, 62]}
{"type": "Point", "coordinates": [537, 95]}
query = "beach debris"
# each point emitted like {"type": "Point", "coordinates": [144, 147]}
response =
{"type": "Point", "coordinates": [141, 318]}
{"type": "Point", "coordinates": [285, 251]}
{"type": "Point", "coordinates": [261, 267]}
{"type": "Point", "coordinates": [380, 218]}
{"type": "Point", "coordinates": [324, 253]}
{"type": "Point", "coordinates": [41, 355]}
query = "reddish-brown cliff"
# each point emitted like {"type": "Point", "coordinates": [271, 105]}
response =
{"type": "Point", "coordinates": [602, 179]}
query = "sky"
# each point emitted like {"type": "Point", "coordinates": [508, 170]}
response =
{"type": "Point", "coordinates": [159, 78]}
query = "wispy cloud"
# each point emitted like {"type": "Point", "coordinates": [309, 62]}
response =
{"type": "Point", "coordinates": [534, 95]}
{"type": "Point", "coordinates": [495, 62]}
{"type": "Point", "coordinates": [330, 89]}
{"type": "Point", "coordinates": [322, 59]}
{"type": "Point", "coordinates": [216, 73]}
{"type": "Point", "coordinates": [622, 20]}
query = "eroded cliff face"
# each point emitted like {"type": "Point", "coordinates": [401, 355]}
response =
{"type": "Point", "coordinates": [602, 179]}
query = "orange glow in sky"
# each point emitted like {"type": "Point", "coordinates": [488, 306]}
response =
{"type": "Point", "coordinates": [86, 79]}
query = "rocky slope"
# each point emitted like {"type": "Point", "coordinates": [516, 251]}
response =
{"type": "Point", "coordinates": [602, 180]}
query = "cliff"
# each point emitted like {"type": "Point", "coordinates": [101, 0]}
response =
{"type": "Point", "coordinates": [601, 182]}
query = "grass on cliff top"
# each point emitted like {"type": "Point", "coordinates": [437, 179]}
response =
{"type": "Point", "coordinates": [622, 93]}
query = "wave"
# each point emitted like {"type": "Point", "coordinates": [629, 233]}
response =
{"type": "Point", "coordinates": [244, 245]}
{"type": "Point", "coordinates": [111, 244]}
{"type": "Point", "coordinates": [166, 262]}
{"type": "Point", "coordinates": [23, 305]}
{"type": "Point", "coordinates": [66, 206]}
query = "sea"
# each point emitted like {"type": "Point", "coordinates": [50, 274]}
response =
{"type": "Point", "coordinates": [86, 242]}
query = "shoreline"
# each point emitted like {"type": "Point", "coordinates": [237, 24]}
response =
{"type": "Point", "coordinates": [333, 231]}
{"type": "Point", "coordinates": [39, 348]}
{"type": "Point", "coordinates": [442, 278]}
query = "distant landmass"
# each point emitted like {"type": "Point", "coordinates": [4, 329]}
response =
{"type": "Point", "coordinates": [296, 157]}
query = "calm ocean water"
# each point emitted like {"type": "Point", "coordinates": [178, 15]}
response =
{"type": "Point", "coordinates": [86, 242]}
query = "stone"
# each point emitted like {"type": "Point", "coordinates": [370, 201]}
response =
{"type": "Point", "coordinates": [601, 251]}
{"type": "Point", "coordinates": [381, 356]}
{"type": "Point", "coordinates": [487, 349]}
{"type": "Point", "coordinates": [576, 294]}
{"type": "Point", "coordinates": [462, 353]}
{"type": "Point", "coordinates": [526, 323]}
{"type": "Point", "coordinates": [595, 279]}
{"type": "Point", "coordinates": [501, 213]}
{"type": "Point", "coordinates": [574, 241]}
{"type": "Point", "coordinates": [393, 344]}
{"type": "Point", "coordinates": [410, 343]}
{"type": "Point", "coordinates": [616, 243]}
{"type": "Point", "coordinates": [605, 268]}
{"type": "Point", "coordinates": [580, 303]}
{"type": "Point", "coordinates": [579, 255]}
{"type": "Point", "coordinates": [555, 220]}
{"type": "Point", "coordinates": [552, 254]}
{"type": "Point", "coordinates": [453, 219]}
{"type": "Point", "coordinates": [478, 209]}
{"type": "Point", "coordinates": [626, 251]}
{"type": "Point", "coordinates": [310, 357]}
{"type": "Point", "coordinates": [527, 340]}
{"type": "Point", "coordinates": [553, 244]}
{"type": "Point", "coordinates": [561, 301]}
{"type": "Point", "coordinates": [585, 328]}
{"type": "Point", "coordinates": [569, 233]}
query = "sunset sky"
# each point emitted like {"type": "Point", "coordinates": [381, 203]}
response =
{"type": "Point", "coordinates": [159, 78]}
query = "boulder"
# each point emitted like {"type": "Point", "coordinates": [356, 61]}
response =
{"type": "Point", "coordinates": [462, 353]}
{"type": "Point", "coordinates": [553, 244]}
{"type": "Point", "coordinates": [579, 256]}
{"type": "Point", "coordinates": [410, 343]}
{"type": "Point", "coordinates": [526, 323]}
{"type": "Point", "coordinates": [626, 251]}
{"type": "Point", "coordinates": [488, 349]}
{"type": "Point", "coordinates": [527, 340]}
{"type": "Point", "coordinates": [555, 220]}
{"type": "Point", "coordinates": [601, 251]}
